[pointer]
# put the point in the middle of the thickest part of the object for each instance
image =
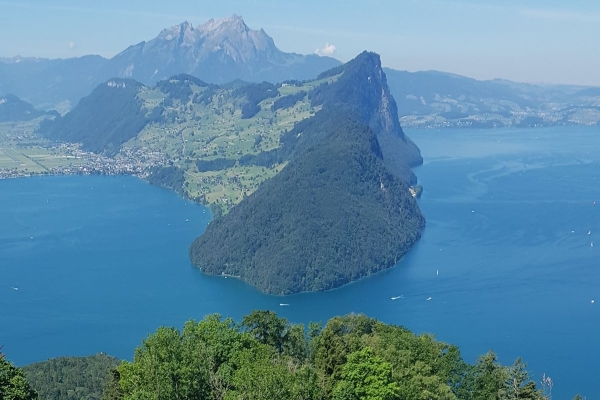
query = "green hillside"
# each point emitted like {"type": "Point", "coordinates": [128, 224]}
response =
{"type": "Point", "coordinates": [214, 136]}
{"type": "Point", "coordinates": [339, 210]}
{"type": "Point", "coordinates": [318, 171]}
{"type": "Point", "coordinates": [102, 121]}
{"type": "Point", "coordinates": [223, 141]}
{"type": "Point", "coordinates": [333, 215]}
{"type": "Point", "coordinates": [13, 109]}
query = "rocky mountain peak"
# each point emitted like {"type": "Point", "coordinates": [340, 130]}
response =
{"type": "Point", "coordinates": [184, 33]}
{"type": "Point", "coordinates": [233, 23]}
{"type": "Point", "coordinates": [220, 50]}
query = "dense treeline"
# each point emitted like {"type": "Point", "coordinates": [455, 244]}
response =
{"type": "Point", "coordinates": [13, 383]}
{"type": "Point", "coordinates": [71, 378]}
{"type": "Point", "coordinates": [170, 177]}
{"type": "Point", "coordinates": [333, 215]}
{"type": "Point", "coordinates": [178, 86]}
{"type": "Point", "coordinates": [288, 101]}
{"type": "Point", "coordinates": [254, 94]}
{"type": "Point", "coordinates": [111, 115]}
{"type": "Point", "coordinates": [353, 357]}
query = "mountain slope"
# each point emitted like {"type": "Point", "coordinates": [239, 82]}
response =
{"type": "Point", "coordinates": [102, 121]}
{"type": "Point", "coordinates": [14, 109]}
{"type": "Point", "coordinates": [336, 212]}
{"type": "Point", "coordinates": [46, 83]}
{"type": "Point", "coordinates": [218, 51]}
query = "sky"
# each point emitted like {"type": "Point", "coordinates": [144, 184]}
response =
{"type": "Point", "coordinates": [534, 41]}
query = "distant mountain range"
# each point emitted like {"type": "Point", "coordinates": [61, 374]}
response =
{"type": "Point", "coordinates": [13, 109]}
{"type": "Point", "coordinates": [218, 51]}
{"type": "Point", "coordinates": [433, 99]}
{"type": "Point", "coordinates": [224, 50]}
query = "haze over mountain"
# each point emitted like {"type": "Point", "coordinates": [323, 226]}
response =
{"type": "Point", "coordinates": [14, 109]}
{"type": "Point", "coordinates": [226, 49]}
{"type": "Point", "coordinates": [218, 51]}
{"type": "Point", "coordinates": [433, 99]}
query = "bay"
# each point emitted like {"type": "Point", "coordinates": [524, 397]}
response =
{"type": "Point", "coordinates": [506, 259]}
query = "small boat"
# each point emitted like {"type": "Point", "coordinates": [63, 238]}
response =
{"type": "Point", "coordinates": [589, 232]}
{"type": "Point", "coordinates": [397, 297]}
{"type": "Point", "coordinates": [437, 272]}
{"type": "Point", "coordinates": [14, 288]}
{"type": "Point", "coordinates": [592, 244]}
{"type": "Point", "coordinates": [429, 298]}
{"type": "Point", "coordinates": [284, 304]}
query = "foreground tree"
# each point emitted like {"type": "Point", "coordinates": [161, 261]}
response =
{"type": "Point", "coordinates": [13, 385]}
{"type": "Point", "coordinates": [366, 376]}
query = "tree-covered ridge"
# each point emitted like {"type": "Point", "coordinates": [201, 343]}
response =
{"type": "Point", "coordinates": [350, 358]}
{"type": "Point", "coordinates": [111, 115]}
{"type": "Point", "coordinates": [191, 123]}
{"type": "Point", "coordinates": [362, 85]}
{"type": "Point", "coordinates": [71, 378]}
{"type": "Point", "coordinates": [13, 108]}
{"type": "Point", "coordinates": [340, 210]}
{"type": "Point", "coordinates": [333, 215]}
{"type": "Point", "coordinates": [264, 356]}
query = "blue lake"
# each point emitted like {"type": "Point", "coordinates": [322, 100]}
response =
{"type": "Point", "coordinates": [506, 258]}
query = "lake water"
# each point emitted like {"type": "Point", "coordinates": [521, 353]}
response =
{"type": "Point", "coordinates": [506, 258]}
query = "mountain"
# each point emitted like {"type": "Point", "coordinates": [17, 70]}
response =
{"type": "Point", "coordinates": [434, 99]}
{"type": "Point", "coordinates": [14, 109]}
{"type": "Point", "coordinates": [51, 83]}
{"type": "Point", "coordinates": [317, 170]}
{"type": "Point", "coordinates": [102, 121]}
{"type": "Point", "coordinates": [338, 211]}
{"type": "Point", "coordinates": [218, 51]}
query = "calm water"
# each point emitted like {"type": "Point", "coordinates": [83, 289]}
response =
{"type": "Point", "coordinates": [100, 262]}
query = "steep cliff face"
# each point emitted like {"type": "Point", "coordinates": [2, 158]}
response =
{"type": "Point", "coordinates": [340, 210]}
{"type": "Point", "coordinates": [363, 86]}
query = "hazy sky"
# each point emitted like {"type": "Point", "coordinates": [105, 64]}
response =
{"type": "Point", "coordinates": [528, 41]}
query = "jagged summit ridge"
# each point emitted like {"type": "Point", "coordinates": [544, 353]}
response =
{"type": "Point", "coordinates": [217, 51]}
{"type": "Point", "coordinates": [232, 22]}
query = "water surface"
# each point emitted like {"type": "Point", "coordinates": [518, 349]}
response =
{"type": "Point", "coordinates": [506, 258]}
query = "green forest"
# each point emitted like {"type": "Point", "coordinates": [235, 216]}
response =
{"type": "Point", "coordinates": [102, 121]}
{"type": "Point", "coordinates": [333, 215]}
{"type": "Point", "coordinates": [266, 357]}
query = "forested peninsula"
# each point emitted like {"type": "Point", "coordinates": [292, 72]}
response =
{"type": "Point", "coordinates": [341, 208]}
{"type": "Point", "coordinates": [310, 182]}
